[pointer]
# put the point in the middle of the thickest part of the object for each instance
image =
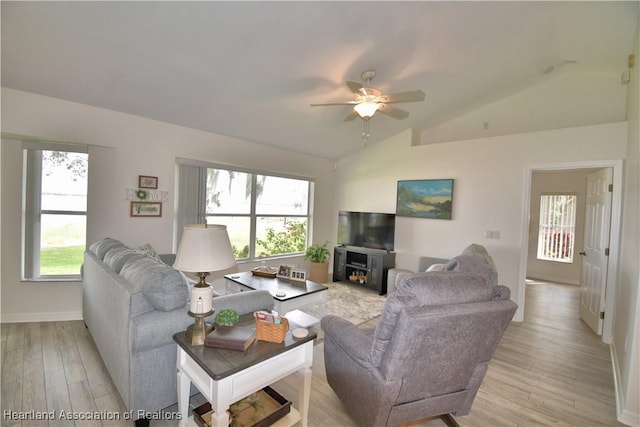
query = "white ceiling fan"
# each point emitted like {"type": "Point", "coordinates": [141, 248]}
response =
{"type": "Point", "coordinates": [368, 100]}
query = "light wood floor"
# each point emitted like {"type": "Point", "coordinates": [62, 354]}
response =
{"type": "Point", "coordinates": [548, 370]}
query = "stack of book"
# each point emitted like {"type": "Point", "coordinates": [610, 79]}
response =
{"type": "Point", "coordinates": [231, 337]}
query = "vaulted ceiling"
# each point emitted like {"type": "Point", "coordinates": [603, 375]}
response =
{"type": "Point", "coordinates": [251, 69]}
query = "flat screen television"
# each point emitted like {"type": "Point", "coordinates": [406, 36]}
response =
{"type": "Point", "coordinates": [367, 229]}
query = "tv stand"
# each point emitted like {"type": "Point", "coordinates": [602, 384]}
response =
{"type": "Point", "coordinates": [362, 266]}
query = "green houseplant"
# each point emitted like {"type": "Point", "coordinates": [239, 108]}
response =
{"type": "Point", "coordinates": [318, 255]}
{"type": "Point", "coordinates": [227, 317]}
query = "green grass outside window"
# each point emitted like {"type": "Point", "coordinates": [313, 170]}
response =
{"type": "Point", "coordinates": [61, 260]}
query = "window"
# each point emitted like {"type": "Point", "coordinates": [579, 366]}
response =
{"type": "Point", "coordinates": [556, 234]}
{"type": "Point", "coordinates": [265, 215]}
{"type": "Point", "coordinates": [54, 210]}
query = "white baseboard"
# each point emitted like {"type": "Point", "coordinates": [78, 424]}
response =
{"type": "Point", "coordinates": [624, 416]}
{"type": "Point", "coordinates": [41, 317]}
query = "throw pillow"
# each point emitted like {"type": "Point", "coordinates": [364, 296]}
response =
{"type": "Point", "coordinates": [148, 250]}
{"type": "Point", "coordinates": [437, 267]}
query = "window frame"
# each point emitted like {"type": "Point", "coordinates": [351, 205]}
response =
{"type": "Point", "coordinates": [201, 213]}
{"type": "Point", "coordinates": [32, 211]}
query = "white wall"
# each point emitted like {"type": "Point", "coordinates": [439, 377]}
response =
{"type": "Point", "coordinates": [626, 332]}
{"type": "Point", "coordinates": [489, 189]}
{"type": "Point", "coordinates": [123, 147]}
{"type": "Point", "coordinates": [572, 182]}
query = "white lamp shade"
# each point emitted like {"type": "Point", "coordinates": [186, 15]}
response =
{"type": "Point", "coordinates": [204, 248]}
{"type": "Point", "coordinates": [366, 110]}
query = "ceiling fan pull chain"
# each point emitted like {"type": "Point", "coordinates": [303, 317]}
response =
{"type": "Point", "coordinates": [365, 132]}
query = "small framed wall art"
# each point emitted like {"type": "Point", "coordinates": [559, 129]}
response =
{"type": "Point", "coordinates": [427, 198]}
{"type": "Point", "coordinates": [145, 181]}
{"type": "Point", "coordinates": [146, 209]}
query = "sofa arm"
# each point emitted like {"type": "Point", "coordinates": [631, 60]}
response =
{"type": "Point", "coordinates": [245, 302]}
{"type": "Point", "coordinates": [168, 259]}
{"type": "Point", "coordinates": [156, 328]}
{"type": "Point", "coordinates": [393, 277]}
{"type": "Point", "coordinates": [353, 341]}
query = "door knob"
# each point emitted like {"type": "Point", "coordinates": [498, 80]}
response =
{"type": "Point", "coordinates": [583, 253]}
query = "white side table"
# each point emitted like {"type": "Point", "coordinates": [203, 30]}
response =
{"type": "Point", "coordinates": [224, 379]}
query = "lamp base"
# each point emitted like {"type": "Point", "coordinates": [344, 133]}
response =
{"type": "Point", "coordinates": [200, 329]}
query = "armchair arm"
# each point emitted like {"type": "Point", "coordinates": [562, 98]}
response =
{"type": "Point", "coordinates": [357, 383]}
{"type": "Point", "coordinates": [355, 342]}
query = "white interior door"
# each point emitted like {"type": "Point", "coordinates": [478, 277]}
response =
{"type": "Point", "coordinates": [596, 248]}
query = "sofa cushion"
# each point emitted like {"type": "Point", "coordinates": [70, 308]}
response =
{"type": "Point", "coordinates": [118, 255]}
{"type": "Point", "coordinates": [162, 285]}
{"type": "Point", "coordinates": [101, 247]}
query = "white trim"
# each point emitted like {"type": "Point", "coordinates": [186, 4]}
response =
{"type": "Point", "coordinates": [61, 316]}
{"type": "Point", "coordinates": [622, 415]}
{"type": "Point", "coordinates": [234, 168]}
{"type": "Point", "coordinates": [617, 167]}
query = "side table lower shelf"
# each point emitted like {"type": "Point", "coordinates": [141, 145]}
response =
{"type": "Point", "coordinates": [287, 421]}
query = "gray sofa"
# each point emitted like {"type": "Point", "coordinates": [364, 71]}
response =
{"type": "Point", "coordinates": [133, 304]}
{"type": "Point", "coordinates": [474, 258]}
{"type": "Point", "coordinates": [428, 354]}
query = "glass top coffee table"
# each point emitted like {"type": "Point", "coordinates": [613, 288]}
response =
{"type": "Point", "coordinates": [291, 298]}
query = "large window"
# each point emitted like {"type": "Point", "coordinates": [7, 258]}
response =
{"type": "Point", "coordinates": [265, 215]}
{"type": "Point", "coordinates": [556, 233]}
{"type": "Point", "coordinates": [54, 211]}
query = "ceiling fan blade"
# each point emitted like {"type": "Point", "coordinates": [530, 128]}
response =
{"type": "Point", "coordinates": [335, 103]}
{"type": "Point", "coordinates": [410, 96]}
{"type": "Point", "coordinates": [394, 112]}
{"type": "Point", "coordinates": [354, 86]}
{"type": "Point", "coordinates": [351, 116]}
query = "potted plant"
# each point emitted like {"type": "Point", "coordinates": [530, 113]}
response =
{"type": "Point", "coordinates": [227, 317]}
{"type": "Point", "coordinates": [318, 255]}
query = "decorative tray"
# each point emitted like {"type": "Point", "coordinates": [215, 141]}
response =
{"type": "Point", "coordinates": [264, 271]}
{"type": "Point", "coordinates": [258, 410]}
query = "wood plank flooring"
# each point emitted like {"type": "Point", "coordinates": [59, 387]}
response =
{"type": "Point", "coordinates": [549, 370]}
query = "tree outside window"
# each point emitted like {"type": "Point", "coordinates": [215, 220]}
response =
{"type": "Point", "coordinates": [265, 215]}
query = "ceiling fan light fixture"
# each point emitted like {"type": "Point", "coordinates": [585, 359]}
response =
{"type": "Point", "coordinates": [367, 109]}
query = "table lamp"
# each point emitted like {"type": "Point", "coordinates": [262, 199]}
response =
{"type": "Point", "coordinates": [203, 249]}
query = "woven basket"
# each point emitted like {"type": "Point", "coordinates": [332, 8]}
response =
{"type": "Point", "coordinates": [272, 332]}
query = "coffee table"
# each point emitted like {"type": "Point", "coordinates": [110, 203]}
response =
{"type": "Point", "coordinates": [226, 376]}
{"type": "Point", "coordinates": [297, 295]}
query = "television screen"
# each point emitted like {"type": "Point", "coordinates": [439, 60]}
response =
{"type": "Point", "coordinates": [367, 229]}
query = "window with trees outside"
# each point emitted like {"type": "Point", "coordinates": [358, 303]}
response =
{"type": "Point", "coordinates": [55, 210]}
{"type": "Point", "coordinates": [556, 233]}
{"type": "Point", "coordinates": [265, 215]}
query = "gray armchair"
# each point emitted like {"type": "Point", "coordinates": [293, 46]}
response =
{"type": "Point", "coordinates": [427, 356]}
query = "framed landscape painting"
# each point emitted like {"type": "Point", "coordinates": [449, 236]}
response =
{"type": "Point", "coordinates": [428, 198]}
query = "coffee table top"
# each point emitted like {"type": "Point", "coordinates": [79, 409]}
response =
{"type": "Point", "coordinates": [292, 289]}
{"type": "Point", "coordinates": [220, 363]}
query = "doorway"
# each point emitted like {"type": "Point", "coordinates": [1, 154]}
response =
{"type": "Point", "coordinates": [616, 167]}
